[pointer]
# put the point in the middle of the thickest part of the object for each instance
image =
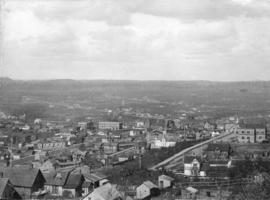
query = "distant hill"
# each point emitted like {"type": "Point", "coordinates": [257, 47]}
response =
{"type": "Point", "coordinates": [222, 96]}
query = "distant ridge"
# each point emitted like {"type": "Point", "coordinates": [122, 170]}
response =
{"type": "Point", "coordinates": [8, 79]}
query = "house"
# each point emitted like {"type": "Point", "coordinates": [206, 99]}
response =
{"type": "Point", "coordinates": [48, 166]}
{"type": "Point", "coordinates": [105, 192]}
{"type": "Point", "coordinates": [189, 193]}
{"type": "Point", "coordinates": [230, 127]}
{"type": "Point", "coordinates": [165, 181]}
{"type": "Point", "coordinates": [55, 182]}
{"type": "Point", "coordinates": [7, 190]}
{"type": "Point", "coordinates": [94, 180]}
{"type": "Point", "coordinates": [146, 190]}
{"type": "Point", "coordinates": [218, 151]}
{"type": "Point", "coordinates": [192, 166]}
{"type": "Point", "coordinates": [59, 182]}
{"type": "Point", "coordinates": [209, 126]}
{"type": "Point", "coordinates": [74, 185]}
{"type": "Point", "coordinates": [25, 180]}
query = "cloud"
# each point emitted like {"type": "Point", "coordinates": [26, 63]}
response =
{"type": "Point", "coordinates": [119, 12]}
{"type": "Point", "coordinates": [138, 39]}
{"type": "Point", "coordinates": [206, 9]}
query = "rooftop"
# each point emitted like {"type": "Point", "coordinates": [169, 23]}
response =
{"type": "Point", "coordinates": [150, 185]}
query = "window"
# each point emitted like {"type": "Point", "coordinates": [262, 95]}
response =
{"type": "Point", "coordinates": [54, 190]}
{"type": "Point", "coordinates": [243, 138]}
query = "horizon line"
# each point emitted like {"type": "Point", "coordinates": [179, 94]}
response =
{"type": "Point", "coordinates": [134, 80]}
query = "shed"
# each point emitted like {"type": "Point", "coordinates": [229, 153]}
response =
{"type": "Point", "coordinates": [147, 189]}
{"type": "Point", "coordinates": [165, 181]}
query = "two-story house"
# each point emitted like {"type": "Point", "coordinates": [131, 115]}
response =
{"type": "Point", "coordinates": [192, 166]}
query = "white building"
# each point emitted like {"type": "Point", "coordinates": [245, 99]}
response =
{"type": "Point", "coordinates": [109, 125]}
{"type": "Point", "coordinates": [163, 142]}
{"type": "Point", "coordinates": [105, 192]}
{"type": "Point", "coordinates": [147, 189]}
{"type": "Point", "coordinates": [192, 166]}
{"type": "Point", "coordinates": [165, 181]}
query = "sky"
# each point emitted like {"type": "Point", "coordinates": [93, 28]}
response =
{"type": "Point", "coordinates": [216, 40]}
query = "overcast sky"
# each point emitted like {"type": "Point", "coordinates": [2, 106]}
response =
{"type": "Point", "coordinates": [219, 40]}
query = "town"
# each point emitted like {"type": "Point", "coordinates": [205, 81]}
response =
{"type": "Point", "coordinates": [124, 153]}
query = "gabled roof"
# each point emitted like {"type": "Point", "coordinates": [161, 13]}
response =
{"type": "Point", "coordinates": [74, 181]}
{"type": "Point", "coordinates": [56, 179]}
{"type": "Point", "coordinates": [3, 184]}
{"type": "Point", "coordinates": [164, 177]}
{"type": "Point", "coordinates": [192, 190]}
{"type": "Point", "coordinates": [189, 159]}
{"type": "Point", "coordinates": [22, 177]}
{"type": "Point", "coordinates": [150, 185]}
{"type": "Point", "coordinates": [105, 192]}
{"type": "Point", "coordinates": [94, 177]}
{"type": "Point", "coordinates": [86, 184]}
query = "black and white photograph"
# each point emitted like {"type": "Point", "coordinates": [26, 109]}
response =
{"type": "Point", "coordinates": [134, 99]}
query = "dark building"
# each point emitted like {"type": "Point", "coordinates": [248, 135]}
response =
{"type": "Point", "coordinates": [218, 151]}
{"type": "Point", "coordinates": [26, 181]}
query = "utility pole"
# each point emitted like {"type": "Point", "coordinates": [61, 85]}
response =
{"type": "Point", "coordinates": [140, 161]}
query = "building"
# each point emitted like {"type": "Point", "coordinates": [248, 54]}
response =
{"type": "Point", "coordinates": [51, 145]}
{"type": "Point", "coordinates": [58, 183]}
{"type": "Point", "coordinates": [109, 125]}
{"type": "Point", "coordinates": [246, 135]}
{"type": "Point", "coordinates": [26, 181]}
{"type": "Point", "coordinates": [147, 190]}
{"type": "Point", "coordinates": [74, 185]}
{"type": "Point", "coordinates": [55, 182]}
{"type": "Point", "coordinates": [260, 134]}
{"type": "Point", "coordinates": [192, 166]}
{"type": "Point", "coordinates": [251, 133]}
{"type": "Point", "coordinates": [105, 192]}
{"type": "Point", "coordinates": [207, 193]}
{"type": "Point", "coordinates": [7, 190]}
{"type": "Point", "coordinates": [218, 151]}
{"type": "Point", "coordinates": [165, 181]}
{"type": "Point", "coordinates": [162, 142]}
{"type": "Point", "coordinates": [209, 126]}
{"type": "Point", "coordinates": [92, 181]}
{"type": "Point", "coordinates": [48, 166]}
